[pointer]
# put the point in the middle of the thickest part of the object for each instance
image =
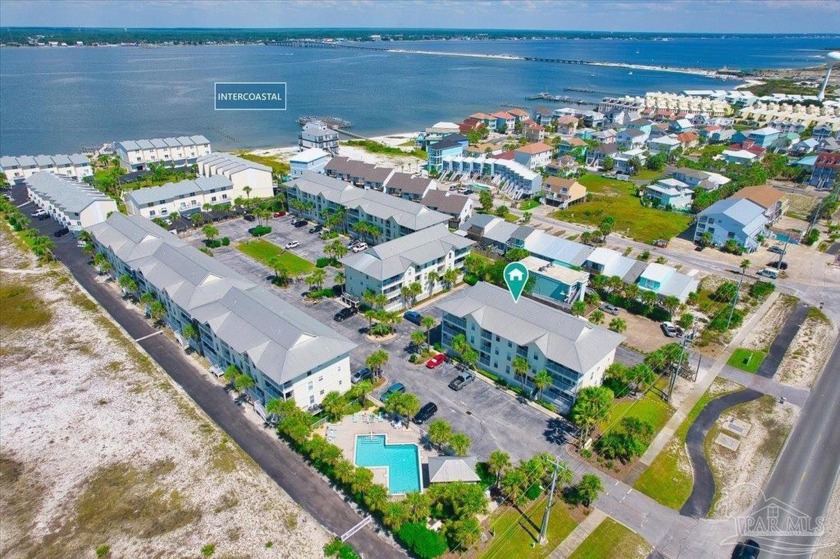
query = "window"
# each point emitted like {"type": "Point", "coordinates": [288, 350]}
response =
{"type": "Point", "coordinates": [322, 392]}
{"type": "Point", "coordinates": [310, 386]}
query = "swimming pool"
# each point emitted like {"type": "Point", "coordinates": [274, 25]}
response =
{"type": "Point", "coordinates": [792, 238]}
{"type": "Point", "coordinates": [402, 462]}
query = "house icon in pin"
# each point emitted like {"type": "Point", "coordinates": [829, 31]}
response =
{"type": "Point", "coordinates": [515, 275]}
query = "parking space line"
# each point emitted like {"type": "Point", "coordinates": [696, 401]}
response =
{"type": "Point", "coordinates": [149, 336]}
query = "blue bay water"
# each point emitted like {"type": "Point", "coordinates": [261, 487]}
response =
{"type": "Point", "coordinates": [60, 100]}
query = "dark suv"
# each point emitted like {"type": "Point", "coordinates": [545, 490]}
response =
{"type": "Point", "coordinates": [344, 314]}
{"type": "Point", "coordinates": [425, 413]}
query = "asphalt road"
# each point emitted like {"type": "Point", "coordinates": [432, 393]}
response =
{"type": "Point", "coordinates": [703, 490]}
{"type": "Point", "coordinates": [283, 465]}
{"type": "Point", "coordinates": [782, 341]}
{"type": "Point", "coordinates": [806, 471]}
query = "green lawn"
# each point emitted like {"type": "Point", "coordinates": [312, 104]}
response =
{"type": "Point", "coordinates": [648, 175]}
{"type": "Point", "coordinates": [516, 533]}
{"type": "Point", "coordinates": [747, 359]}
{"type": "Point", "coordinates": [618, 199]}
{"type": "Point", "coordinates": [264, 251]}
{"type": "Point", "coordinates": [279, 167]}
{"type": "Point", "coordinates": [612, 540]}
{"type": "Point", "coordinates": [650, 408]}
{"type": "Point", "coordinates": [528, 205]}
{"type": "Point", "coordinates": [664, 481]}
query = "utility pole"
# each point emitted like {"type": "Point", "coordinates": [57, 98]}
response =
{"type": "Point", "coordinates": [735, 301]}
{"type": "Point", "coordinates": [673, 380]}
{"type": "Point", "coordinates": [544, 527]}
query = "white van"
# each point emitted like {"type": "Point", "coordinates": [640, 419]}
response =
{"type": "Point", "coordinates": [771, 273]}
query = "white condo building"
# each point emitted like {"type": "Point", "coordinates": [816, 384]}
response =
{"type": "Point", "coordinates": [287, 353]}
{"type": "Point", "coordinates": [241, 173]}
{"type": "Point", "coordinates": [389, 267]}
{"type": "Point", "coordinates": [184, 197]}
{"type": "Point", "coordinates": [138, 155]}
{"type": "Point", "coordinates": [17, 169]}
{"type": "Point", "coordinates": [575, 352]}
{"type": "Point", "coordinates": [74, 205]}
{"type": "Point", "coordinates": [312, 159]}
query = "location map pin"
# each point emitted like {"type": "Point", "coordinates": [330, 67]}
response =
{"type": "Point", "coordinates": [516, 276]}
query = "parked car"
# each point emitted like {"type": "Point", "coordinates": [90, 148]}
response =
{"type": "Point", "coordinates": [435, 361]}
{"type": "Point", "coordinates": [39, 213]}
{"type": "Point", "coordinates": [413, 316]}
{"type": "Point", "coordinates": [279, 214]}
{"type": "Point", "coordinates": [660, 243]}
{"type": "Point", "coordinates": [81, 244]}
{"type": "Point", "coordinates": [670, 329]}
{"type": "Point", "coordinates": [463, 379]}
{"type": "Point", "coordinates": [345, 313]}
{"type": "Point", "coordinates": [396, 388]}
{"type": "Point", "coordinates": [746, 550]}
{"type": "Point", "coordinates": [361, 375]}
{"type": "Point", "coordinates": [305, 294]}
{"type": "Point", "coordinates": [778, 265]}
{"type": "Point", "coordinates": [292, 244]}
{"type": "Point", "coordinates": [316, 228]}
{"type": "Point", "coordinates": [61, 232]}
{"type": "Point", "coordinates": [249, 217]}
{"type": "Point", "coordinates": [301, 223]}
{"type": "Point", "coordinates": [359, 248]}
{"type": "Point", "coordinates": [425, 413]}
{"type": "Point", "coordinates": [777, 249]}
{"type": "Point", "coordinates": [607, 308]}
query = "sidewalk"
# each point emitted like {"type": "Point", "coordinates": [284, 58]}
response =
{"type": "Point", "coordinates": [705, 379]}
{"type": "Point", "coordinates": [578, 535]}
{"type": "Point", "coordinates": [792, 394]}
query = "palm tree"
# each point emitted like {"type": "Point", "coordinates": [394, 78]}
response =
{"type": "Point", "coordinates": [498, 463]}
{"type": "Point", "coordinates": [243, 382]}
{"type": "Point", "coordinates": [210, 232]}
{"type": "Point", "coordinates": [460, 444]}
{"type": "Point", "coordinates": [542, 380]}
{"type": "Point", "coordinates": [157, 311]}
{"type": "Point", "coordinates": [597, 317]}
{"type": "Point", "coordinates": [631, 291]}
{"type": "Point", "coordinates": [337, 249]}
{"type": "Point", "coordinates": [428, 322]}
{"type": "Point", "coordinates": [128, 284]}
{"type": "Point", "coordinates": [102, 263]}
{"type": "Point", "coordinates": [450, 277]}
{"type": "Point", "coordinates": [417, 338]}
{"type": "Point", "coordinates": [376, 360]}
{"type": "Point", "coordinates": [189, 332]}
{"type": "Point", "coordinates": [618, 325]}
{"type": "Point", "coordinates": [410, 292]}
{"type": "Point", "coordinates": [520, 369]}
{"type": "Point", "coordinates": [340, 278]}
{"type": "Point", "coordinates": [334, 405]}
{"type": "Point", "coordinates": [440, 431]}
{"type": "Point", "coordinates": [281, 273]}
{"type": "Point", "coordinates": [247, 190]}
{"type": "Point", "coordinates": [648, 299]}
{"type": "Point", "coordinates": [745, 264]}
{"type": "Point", "coordinates": [670, 303]}
{"type": "Point", "coordinates": [317, 277]}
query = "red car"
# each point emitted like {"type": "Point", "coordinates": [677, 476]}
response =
{"type": "Point", "coordinates": [279, 214]}
{"type": "Point", "coordinates": [435, 361]}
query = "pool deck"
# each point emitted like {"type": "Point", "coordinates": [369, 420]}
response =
{"type": "Point", "coordinates": [347, 430]}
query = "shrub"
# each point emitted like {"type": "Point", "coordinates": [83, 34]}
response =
{"type": "Point", "coordinates": [208, 550]}
{"type": "Point", "coordinates": [719, 322]}
{"type": "Point", "coordinates": [813, 236]}
{"type": "Point", "coordinates": [338, 548]}
{"type": "Point", "coordinates": [762, 289]}
{"type": "Point", "coordinates": [260, 230]}
{"type": "Point", "coordinates": [424, 543]}
{"type": "Point", "coordinates": [215, 243]}
{"type": "Point", "coordinates": [412, 358]}
{"type": "Point", "coordinates": [470, 279]}
{"type": "Point", "coordinates": [103, 550]}
{"type": "Point", "coordinates": [323, 262]}
{"type": "Point", "coordinates": [533, 492]}
{"type": "Point", "coordinates": [321, 293]}
{"type": "Point", "coordinates": [225, 241]}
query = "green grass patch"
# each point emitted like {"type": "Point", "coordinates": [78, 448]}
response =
{"type": "Point", "coordinates": [21, 307]}
{"type": "Point", "coordinates": [784, 86]}
{"type": "Point", "coordinates": [375, 147]}
{"type": "Point", "coordinates": [517, 532]}
{"type": "Point", "coordinates": [280, 168]}
{"type": "Point", "coordinates": [264, 251]}
{"type": "Point", "coordinates": [664, 481]}
{"type": "Point", "coordinates": [649, 408]}
{"type": "Point", "coordinates": [816, 314]}
{"type": "Point", "coordinates": [618, 199]}
{"type": "Point", "coordinates": [747, 359]}
{"type": "Point", "coordinates": [528, 205]}
{"type": "Point", "coordinates": [612, 540]}
{"type": "Point", "coordinates": [648, 175]}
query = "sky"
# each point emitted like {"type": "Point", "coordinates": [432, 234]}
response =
{"type": "Point", "coordinates": [725, 16]}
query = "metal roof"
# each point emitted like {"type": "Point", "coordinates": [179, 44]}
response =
{"type": "Point", "coordinates": [10, 162]}
{"type": "Point", "coordinates": [443, 469]}
{"type": "Point", "coordinates": [416, 249]}
{"type": "Point", "coordinates": [227, 163]}
{"type": "Point", "coordinates": [567, 340]}
{"type": "Point", "coordinates": [749, 215]}
{"type": "Point", "coordinates": [134, 145]}
{"type": "Point", "coordinates": [70, 196]}
{"type": "Point", "coordinates": [282, 341]}
{"type": "Point", "coordinates": [175, 190]}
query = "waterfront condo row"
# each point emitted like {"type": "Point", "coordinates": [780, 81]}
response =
{"type": "Point", "coordinates": [227, 318]}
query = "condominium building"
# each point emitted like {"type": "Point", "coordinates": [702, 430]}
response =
{"type": "Point", "coordinates": [389, 267]}
{"type": "Point", "coordinates": [575, 352]}
{"type": "Point", "coordinates": [75, 205]}
{"type": "Point", "coordinates": [359, 173]}
{"type": "Point", "coordinates": [316, 196]}
{"type": "Point", "coordinates": [512, 178]}
{"type": "Point", "coordinates": [184, 197]}
{"type": "Point", "coordinates": [312, 159]}
{"type": "Point", "coordinates": [457, 206]}
{"type": "Point", "coordinates": [739, 220]}
{"type": "Point", "coordinates": [316, 134]}
{"type": "Point", "coordinates": [287, 353]}
{"type": "Point", "coordinates": [249, 179]}
{"type": "Point", "coordinates": [17, 169]}
{"type": "Point", "coordinates": [139, 155]}
{"type": "Point", "coordinates": [556, 282]}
